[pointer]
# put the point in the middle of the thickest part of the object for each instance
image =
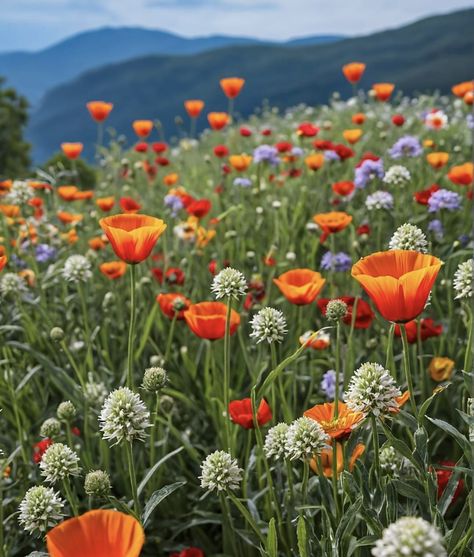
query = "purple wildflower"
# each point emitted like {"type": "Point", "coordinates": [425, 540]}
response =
{"type": "Point", "coordinates": [444, 199]}
{"type": "Point", "coordinates": [266, 153]}
{"type": "Point", "coordinates": [379, 200]}
{"type": "Point", "coordinates": [340, 262]}
{"type": "Point", "coordinates": [436, 227]}
{"type": "Point", "coordinates": [406, 146]}
{"type": "Point", "coordinates": [331, 155]}
{"type": "Point", "coordinates": [297, 151]}
{"type": "Point", "coordinates": [242, 182]}
{"type": "Point", "coordinates": [44, 253]}
{"type": "Point", "coordinates": [328, 384]}
{"type": "Point", "coordinates": [367, 171]}
{"type": "Point", "coordinates": [174, 202]}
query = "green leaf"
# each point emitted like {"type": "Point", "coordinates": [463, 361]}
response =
{"type": "Point", "coordinates": [408, 490]}
{"type": "Point", "coordinates": [150, 472]}
{"type": "Point", "coordinates": [402, 448]}
{"type": "Point", "coordinates": [449, 491]}
{"type": "Point", "coordinates": [459, 528]}
{"type": "Point", "coordinates": [302, 537]}
{"type": "Point", "coordinates": [272, 540]}
{"type": "Point", "coordinates": [448, 428]}
{"type": "Point", "coordinates": [156, 499]}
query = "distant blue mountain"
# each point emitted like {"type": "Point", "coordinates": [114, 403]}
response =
{"type": "Point", "coordinates": [32, 73]}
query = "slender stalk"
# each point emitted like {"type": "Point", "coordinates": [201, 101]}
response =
{"type": "Point", "coordinates": [2, 550]}
{"type": "Point", "coordinates": [70, 497]}
{"type": "Point", "coordinates": [227, 374]}
{"type": "Point", "coordinates": [131, 330]}
{"type": "Point", "coordinates": [389, 364]}
{"type": "Point", "coordinates": [470, 341]}
{"type": "Point", "coordinates": [248, 517]}
{"type": "Point", "coordinates": [170, 336]}
{"type": "Point", "coordinates": [335, 491]}
{"type": "Point", "coordinates": [133, 478]}
{"type": "Point", "coordinates": [406, 364]}
{"type": "Point", "coordinates": [338, 368]}
{"type": "Point", "coordinates": [375, 438]}
{"type": "Point", "coordinates": [153, 429]}
{"type": "Point", "coordinates": [304, 483]}
{"type": "Point", "coordinates": [227, 530]}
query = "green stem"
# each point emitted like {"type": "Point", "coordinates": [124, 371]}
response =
{"type": "Point", "coordinates": [338, 369]}
{"type": "Point", "coordinates": [170, 336]}
{"type": "Point", "coordinates": [248, 517]}
{"type": "Point", "coordinates": [406, 365]}
{"type": "Point", "coordinates": [389, 355]}
{"type": "Point", "coordinates": [334, 478]}
{"type": "Point", "coordinates": [133, 478]}
{"type": "Point", "coordinates": [227, 374]}
{"type": "Point", "coordinates": [70, 497]}
{"type": "Point", "coordinates": [470, 341]}
{"type": "Point", "coordinates": [153, 430]}
{"type": "Point", "coordinates": [131, 330]}
{"type": "Point", "coordinates": [304, 483]}
{"type": "Point", "coordinates": [375, 438]}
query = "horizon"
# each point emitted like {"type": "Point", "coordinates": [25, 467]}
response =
{"type": "Point", "coordinates": [16, 27]}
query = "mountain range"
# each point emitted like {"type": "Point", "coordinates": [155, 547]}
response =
{"type": "Point", "coordinates": [428, 55]}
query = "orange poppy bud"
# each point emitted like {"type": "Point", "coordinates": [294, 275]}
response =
{"type": "Point", "coordinates": [142, 128]}
{"type": "Point", "coordinates": [96, 243]}
{"type": "Point", "coordinates": [383, 91]}
{"type": "Point", "coordinates": [194, 107]}
{"type": "Point", "coordinates": [352, 136]}
{"type": "Point", "coordinates": [300, 286]}
{"type": "Point", "coordinates": [68, 218]}
{"type": "Point", "coordinates": [218, 120]}
{"type": "Point", "coordinates": [207, 320]}
{"type": "Point", "coordinates": [105, 204]}
{"type": "Point", "coordinates": [113, 269]}
{"type": "Point", "coordinates": [171, 179]}
{"type": "Point", "coordinates": [67, 193]}
{"type": "Point", "coordinates": [398, 282]}
{"type": "Point", "coordinates": [102, 533]}
{"type": "Point", "coordinates": [132, 236]}
{"type": "Point", "coordinates": [72, 150]}
{"type": "Point", "coordinates": [232, 86]}
{"type": "Point", "coordinates": [240, 162]}
{"type": "Point", "coordinates": [353, 71]}
{"type": "Point", "coordinates": [437, 159]}
{"type": "Point", "coordinates": [314, 161]}
{"type": "Point", "coordinates": [99, 110]}
{"type": "Point", "coordinates": [358, 118]}
{"type": "Point", "coordinates": [441, 369]}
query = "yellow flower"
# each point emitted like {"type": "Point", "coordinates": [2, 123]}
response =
{"type": "Point", "coordinates": [441, 369]}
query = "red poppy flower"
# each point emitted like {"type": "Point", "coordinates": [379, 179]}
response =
{"type": "Point", "coordinates": [343, 188]}
{"type": "Point", "coordinates": [363, 229]}
{"type": "Point", "coordinates": [398, 120]}
{"type": "Point", "coordinates": [368, 156]}
{"type": "Point", "coordinates": [40, 448]}
{"type": "Point", "coordinates": [189, 552]}
{"type": "Point", "coordinates": [266, 132]}
{"type": "Point", "coordinates": [307, 129]}
{"type": "Point", "coordinates": [443, 476]}
{"type": "Point", "coordinates": [343, 152]}
{"type": "Point", "coordinates": [240, 412]}
{"type": "Point", "coordinates": [428, 329]}
{"type": "Point", "coordinates": [283, 146]}
{"type": "Point", "coordinates": [245, 132]}
{"type": "Point", "coordinates": [323, 145]}
{"type": "Point", "coordinates": [174, 275]}
{"type": "Point", "coordinates": [141, 147]}
{"type": "Point", "coordinates": [162, 161]}
{"type": "Point", "coordinates": [129, 205]}
{"type": "Point", "coordinates": [221, 151]}
{"type": "Point", "coordinates": [199, 208]}
{"type": "Point", "coordinates": [173, 303]}
{"type": "Point", "coordinates": [159, 147]}
{"type": "Point", "coordinates": [353, 71]}
{"type": "Point", "coordinates": [422, 197]}
{"type": "Point", "coordinates": [364, 316]}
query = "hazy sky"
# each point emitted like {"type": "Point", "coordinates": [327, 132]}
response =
{"type": "Point", "coordinates": [34, 24]}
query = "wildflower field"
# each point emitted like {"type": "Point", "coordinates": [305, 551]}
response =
{"type": "Point", "coordinates": [252, 341]}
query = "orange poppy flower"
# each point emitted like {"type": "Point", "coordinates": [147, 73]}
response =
{"type": "Point", "coordinates": [240, 162]}
{"type": "Point", "coordinates": [99, 110]}
{"type": "Point", "coordinates": [232, 86]}
{"type": "Point", "coordinates": [326, 460]}
{"type": "Point", "coordinates": [337, 428]}
{"type": "Point", "coordinates": [314, 161]}
{"type": "Point", "coordinates": [67, 193]}
{"type": "Point", "coordinates": [10, 211]}
{"type": "Point", "coordinates": [398, 282]}
{"type": "Point", "coordinates": [383, 91]}
{"type": "Point", "coordinates": [171, 179]}
{"type": "Point", "coordinates": [129, 205]}
{"type": "Point", "coordinates": [203, 236]}
{"type": "Point", "coordinates": [71, 237]}
{"type": "Point", "coordinates": [462, 175]}
{"type": "Point", "coordinates": [142, 128]}
{"type": "Point", "coordinates": [83, 194]}
{"type": "Point", "coordinates": [5, 186]}
{"type": "Point", "coordinates": [469, 98]}
{"type": "Point", "coordinates": [352, 136]}
{"type": "Point", "coordinates": [193, 107]}
{"type": "Point", "coordinates": [99, 533]}
{"type": "Point", "coordinates": [218, 120]}
{"type": "Point", "coordinates": [173, 303]}
{"type": "Point", "coordinates": [353, 71]}
{"type": "Point", "coordinates": [437, 159]}
{"type": "Point", "coordinates": [68, 218]}
{"type": "Point", "coordinates": [332, 222]}
{"type": "Point", "coordinates": [441, 369]}
{"type": "Point", "coordinates": [96, 243]}
{"type": "Point", "coordinates": [461, 89]}
{"type": "Point", "coordinates": [343, 188]}
{"type": "Point", "coordinates": [358, 118]}
{"type": "Point", "coordinates": [113, 269]}
{"type": "Point", "coordinates": [132, 236]}
{"type": "Point", "coordinates": [3, 261]}
{"type": "Point", "coordinates": [105, 204]}
{"type": "Point", "coordinates": [207, 320]}
{"type": "Point", "coordinates": [72, 150]}
{"type": "Point", "coordinates": [300, 286]}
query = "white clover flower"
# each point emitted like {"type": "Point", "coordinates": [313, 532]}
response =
{"type": "Point", "coordinates": [219, 471]}
{"type": "Point", "coordinates": [462, 281]}
{"type": "Point", "coordinates": [397, 175]}
{"type": "Point", "coordinates": [11, 283]}
{"type": "Point", "coordinates": [410, 537]}
{"type": "Point", "coordinates": [51, 427]}
{"type": "Point", "coordinates": [304, 439]}
{"type": "Point", "coordinates": [124, 417]}
{"type": "Point", "coordinates": [59, 462]}
{"type": "Point", "coordinates": [372, 390]}
{"type": "Point", "coordinates": [20, 193]}
{"type": "Point", "coordinates": [97, 483]}
{"type": "Point", "coordinates": [275, 441]}
{"type": "Point", "coordinates": [409, 237]}
{"type": "Point", "coordinates": [268, 324]}
{"type": "Point", "coordinates": [229, 283]}
{"type": "Point", "coordinates": [379, 200]}
{"type": "Point", "coordinates": [40, 509]}
{"type": "Point", "coordinates": [77, 268]}
{"type": "Point", "coordinates": [95, 393]}
{"type": "Point", "coordinates": [393, 463]}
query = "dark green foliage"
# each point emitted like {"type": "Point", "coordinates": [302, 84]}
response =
{"type": "Point", "coordinates": [60, 164]}
{"type": "Point", "coordinates": [14, 152]}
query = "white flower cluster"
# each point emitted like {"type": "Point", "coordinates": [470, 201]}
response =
{"type": "Point", "coordinates": [275, 441]}
{"type": "Point", "coordinates": [268, 324]}
{"type": "Point", "coordinates": [379, 200]}
{"type": "Point", "coordinates": [124, 417]}
{"type": "Point", "coordinates": [304, 439]}
{"type": "Point", "coordinates": [40, 509]}
{"type": "Point", "coordinates": [219, 471]}
{"type": "Point", "coordinates": [59, 462]}
{"type": "Point", "coordinates": [462, 281]}
{"type": "Point", "coordinates": [397, 175]}
{"type": "Point", "coordinates": [95, 393]}
{"type": "Point", "coordinates": [393, 463]}
{"type": "Point", "coordinates": [11, 283]}
{"type": "Point", "coordinates": [409, 237]}
{"type": "Point", "coordinates": [229, 283]}
{"type": "Point", "coordinates": [372, 390]}
{"type": "Point", "coordinates": [20, 193]}
{"type": "Point", "coordinates": [77, 268]}
{"type": "Point", "coordinates": [410, 537]}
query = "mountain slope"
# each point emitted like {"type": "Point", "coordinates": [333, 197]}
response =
{"type": "Point", "coordinates": [430, 54]}
{"type": "Point", "coordinates": [32, 73]}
